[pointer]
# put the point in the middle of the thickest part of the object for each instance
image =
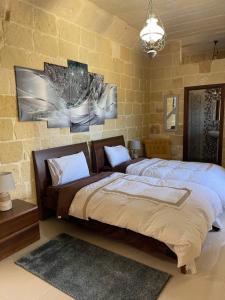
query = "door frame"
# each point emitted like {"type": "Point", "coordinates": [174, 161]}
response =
{"type": "Point", "coordinates": [185, 128]}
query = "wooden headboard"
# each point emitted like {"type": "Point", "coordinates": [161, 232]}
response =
{"type": "Point", "coordinates": [42, 174]}
{"type": "Point", "coordinates": [99, 159]}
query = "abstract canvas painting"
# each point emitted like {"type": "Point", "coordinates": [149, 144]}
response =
{"type": "Point", "coordinates": [65, 96]}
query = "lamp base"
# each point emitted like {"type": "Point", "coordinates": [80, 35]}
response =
{"type": "Point", "coordinates": [134, 153]}
{"type": "Point", "coordinates": [5, 202]}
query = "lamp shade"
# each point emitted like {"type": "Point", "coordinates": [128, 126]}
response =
{"type": "Point", "coordinates": [152, 32]}
{"type": "Point", "coordinates": [7, 183]}
{"type": "Point", "coordinates": [135, 145]}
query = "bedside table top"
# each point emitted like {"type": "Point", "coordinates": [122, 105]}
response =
{"type": "Point", "coordinates": [20, 207]}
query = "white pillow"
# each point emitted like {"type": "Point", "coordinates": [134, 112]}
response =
{"type": "Point", "coordinates": [68, 168]}
{"type": "Point", "coordinates": [117, 155]}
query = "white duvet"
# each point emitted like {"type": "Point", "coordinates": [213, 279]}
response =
{"type": "Point", "coordinates": [177, 213]}
{"type": "Point", "coordinates": [207, 174]}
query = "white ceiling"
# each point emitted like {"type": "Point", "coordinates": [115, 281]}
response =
{"type": "Point", "coordinates": [196, 22]}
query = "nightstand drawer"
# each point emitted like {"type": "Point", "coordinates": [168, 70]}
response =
{"type": "Point", "coordinates": [18, 223]}
{"type": "Point", "coordinates": [22, 214]}
{"type": "Point", "coordinates": [19, 240]}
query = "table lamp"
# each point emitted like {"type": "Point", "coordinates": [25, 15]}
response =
{"type": "Point", "coordinates": [135, 146]}
{"type": "Point", "coordinates": [7, 184]}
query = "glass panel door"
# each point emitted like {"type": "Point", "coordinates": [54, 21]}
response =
{"type": "Point", "coordinates": [204, 124]}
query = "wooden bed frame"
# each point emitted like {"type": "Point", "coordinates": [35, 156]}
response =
{"type": "Point", "coordinates": [99, 160]}
{"type": "Point", "coordinates": [43, 179]}
{"type": "Point", "coordinates": [47, 204]}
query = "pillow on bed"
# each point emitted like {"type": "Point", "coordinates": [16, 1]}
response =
{"type": "Point", "coordinates": [68, 168]}
{"type": "Point", "coordinates": [117, 155]}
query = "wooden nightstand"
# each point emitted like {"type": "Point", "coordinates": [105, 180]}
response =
{"type": "Point", "coordinates": [19, 227]}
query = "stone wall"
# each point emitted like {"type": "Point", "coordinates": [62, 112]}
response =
{"type": "Point", "coordinates": [36, 31]}
{"type": "Point", "coordinates": [169, 75]}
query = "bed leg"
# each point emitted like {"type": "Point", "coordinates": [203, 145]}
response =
{"type": "Point", "coordinates": [183, 269]}
{"type": "Point", "coordinates": [214, 229]}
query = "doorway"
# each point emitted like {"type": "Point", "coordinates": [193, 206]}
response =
{"type": "Point", "coordinates": [203, 123]}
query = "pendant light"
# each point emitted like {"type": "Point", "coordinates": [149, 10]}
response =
{"type": "Point", "coordinates": [153, 33]}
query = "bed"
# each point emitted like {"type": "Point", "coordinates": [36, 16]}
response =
{"type": "Point", "coordinates": [55, 201]}
{"type": "Point", "coordinates": [168, 214]}
{"type": "Point", "coordinates": [209, 175]}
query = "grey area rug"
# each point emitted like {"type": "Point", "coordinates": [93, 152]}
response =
{"type": "Point", "coordinates": [87, 272]}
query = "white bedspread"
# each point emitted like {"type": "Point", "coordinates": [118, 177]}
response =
{"type": "Point", "coordinates": [177, 213]}
{"type": "Point", "coordinates": [209, 175]}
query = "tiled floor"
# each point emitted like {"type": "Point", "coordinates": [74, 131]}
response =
{"type": "Point", "coordinates": [207, 284]}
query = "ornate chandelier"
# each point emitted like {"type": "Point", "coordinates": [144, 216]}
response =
{"type": "Point", "coordinates": [153, 33]}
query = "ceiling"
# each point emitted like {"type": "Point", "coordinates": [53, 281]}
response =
{"type": "Point", "coordinates": [196, 22]}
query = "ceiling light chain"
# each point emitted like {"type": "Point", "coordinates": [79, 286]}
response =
{"type": "Point", "coordinates": [150, 8]}
{"type": "Point", "coordinates": [153, 33]}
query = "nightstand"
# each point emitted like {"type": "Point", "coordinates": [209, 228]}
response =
{"type": "Point", "coordinates": [19, 227]}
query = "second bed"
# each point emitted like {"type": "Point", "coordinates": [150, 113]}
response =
{"type": "Point", "coordinates": [209, 175]}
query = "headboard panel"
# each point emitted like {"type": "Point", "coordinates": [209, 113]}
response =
{"type": "Point", "coordinates": [99, 159]}
{"type": "Point", "coordinates": [42, 174]}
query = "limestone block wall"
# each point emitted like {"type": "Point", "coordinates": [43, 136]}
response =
{"type": "Point", "coordinates": [36, 31]}
{"type": "Point", "coordinates": [169, 75]}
